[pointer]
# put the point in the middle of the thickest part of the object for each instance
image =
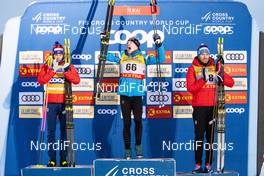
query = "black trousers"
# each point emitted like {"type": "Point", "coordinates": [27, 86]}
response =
{"type": "Point", "coordinates": [202, 115]}
{"type": "Point", "coordinates": [135, 105]}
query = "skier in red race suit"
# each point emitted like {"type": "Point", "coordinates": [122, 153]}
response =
{"type": "Point", "coordinates": [201, 82]}
{"type": "Point", "coordinates": [55, 75]}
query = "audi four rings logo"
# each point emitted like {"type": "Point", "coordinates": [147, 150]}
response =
{"type": "Point", "coordinates": [157, 98]}
{"type": "Point", "coordinates": [180, 84]}
{"type": "Point", "coordinates": [30, 84]}
{"type": "Point", "coordinates": [235, 56]}
{"type": "Point", "coordinates": [84, 70]}
{"type": "Point", "coordinates": [30, 98]}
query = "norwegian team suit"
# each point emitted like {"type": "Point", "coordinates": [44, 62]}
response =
{"type": "Point", "coordinates": [56, 103]}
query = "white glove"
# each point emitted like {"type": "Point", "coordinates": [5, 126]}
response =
{"type": "Point", "coordinates": [55, 65]}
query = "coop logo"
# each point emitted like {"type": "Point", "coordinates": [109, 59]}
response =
{"type": "Point", "coordinates": [85, 71]}
{"type": "Point", "coordinates": [216, 30]}
{"type": "Point", "coordinates": [181, 70]}
{"type": "Point", "coordinates": [235, 110]}
{"type": "Point", "coordinates": [235, 56]}
{"type": "Point", "coordinates": [153, 98]}
{"type": "Point", "coordinates": [30, 84]}
{"type": "Point", "coordinates": [47, 29]}
{"type": "Point", "coordinates": [179, 84]}
{"type": "Point", "coordinates": [57, 80]}
{"type": "Point", "coordinates": [107, 111]}
{"type": "Point", "coordinates": [217, 17]}
{"type": "Point", "coordinates": [121, 36]}
{"type": "Point", "coordinates": [30, 98]}
{"type": "Point", "coordinates": [82, 57]}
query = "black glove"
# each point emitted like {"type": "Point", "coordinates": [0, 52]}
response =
{"type": "Point", "coordinates": [157, 40]}
{"type": "Point", "coordinates": [204, 75]}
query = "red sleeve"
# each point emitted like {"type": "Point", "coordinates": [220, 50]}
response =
{"type": "Point", "coordinates": [228, 80]}
{"type": "Point", "coordinates": [45, 74]}
{"type": "Point", "coordinates": [193, 85]}
{"type": "Point", "coordinates": [72, 75]}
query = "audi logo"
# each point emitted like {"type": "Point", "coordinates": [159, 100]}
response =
{"type": "Point", "coordinates": [180, 84]}
{"type": "Point", "coordinates": [30, 98]}
{"type": "Point", "coordinates": [158, 98]}
{"type": "Point", "coordinates": [84, 70]}
{"type": "Point", "coordinates": [235, 56]}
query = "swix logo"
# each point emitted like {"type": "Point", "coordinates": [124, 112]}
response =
{"type": "Point", "coordinates": [235, 110]}
{"type": "Point", "coordinates": [37, 18]}
{"type": "Point", "coordinates": [121, 36]}
{"type": "Point", "coordinates": [216, 30]}
{"type": "Point", "coordinates": [30, 84]}
{"type": "Point", "coordinates": [206, 17]}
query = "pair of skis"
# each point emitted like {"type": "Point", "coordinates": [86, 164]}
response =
{"type": "Point", "coordinates": [68, 108]}
{"type": "Point", "coordinates": [105, 36]}
{"type": "Point", "coordinates": [219, 110]}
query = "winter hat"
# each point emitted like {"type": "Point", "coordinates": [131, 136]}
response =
{"type": "Point", "coordinates": [58, 48]}
{"type": "Point", "coordinates": [135, 41]}
{"type": "Point", "coordinates": [203, 49]}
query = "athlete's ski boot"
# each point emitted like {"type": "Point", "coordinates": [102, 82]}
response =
{"type": "Point", "coordinates": [51, 163]}
{"type": "Point", "coordinates": [139, 154]}
{"type": "Point", "coordinates": [208, 168]}
{"type": "Point", "coordinates": [198, 169]}
{"type": "Point", "coordinates": [127, 154]}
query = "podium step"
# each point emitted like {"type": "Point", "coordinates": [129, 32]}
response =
{"type": "Point", "coordinates": [79, 170]}
{"type": "Point", "coordinates": [226, 173]}
{"type": "Point", "coordinates": [120, 167]}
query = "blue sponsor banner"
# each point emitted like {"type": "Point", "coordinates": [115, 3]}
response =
{"type": "Point", "coordinates": [105, 167]}
{"type": "Point", "coordinates": [182, 28]}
